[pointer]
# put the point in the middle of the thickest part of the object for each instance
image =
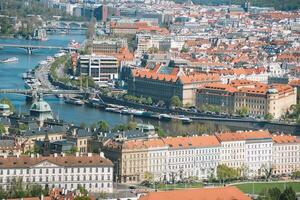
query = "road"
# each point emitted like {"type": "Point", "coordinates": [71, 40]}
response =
{"type": "Point", "coordinates": [41, 74]}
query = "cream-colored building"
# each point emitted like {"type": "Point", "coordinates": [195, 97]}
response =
{"type": "Point", "coordinates": [286, 154]}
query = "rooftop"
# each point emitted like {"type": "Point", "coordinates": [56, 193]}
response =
{"type": "Point", "coordinates": [222, 193]}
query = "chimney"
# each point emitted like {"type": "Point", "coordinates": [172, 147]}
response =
{"type": "Point", "coordinates": [62, 154]}
{"type": "Point", "coordinates": [55, 155]}
{"type": "Point", "coordinates": [32, 155]}
{"type": "Point", "coordinates": [37, 155]}
{"type": "Point", "coordinates": [77, 154]}
{"type": "Point", "coordinates": [89, 154]}
{"type": "Point", "coordinates": [102, 155]}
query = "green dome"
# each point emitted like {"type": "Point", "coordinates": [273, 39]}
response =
{"type": "Point", "coordinates": [41, 106]}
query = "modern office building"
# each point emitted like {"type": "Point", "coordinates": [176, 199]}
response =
{"type": "Point", "coordinates": [101, 68]}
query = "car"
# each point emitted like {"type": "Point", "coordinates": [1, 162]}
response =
{"type": "Point", "coordinates": [132, 187]}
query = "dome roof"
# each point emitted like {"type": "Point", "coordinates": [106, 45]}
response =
{"type": "Point", "coordinates": [41, 106]}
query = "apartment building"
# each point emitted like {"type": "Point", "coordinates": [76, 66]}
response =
{"type": "Point", "coordinates": [162, 83]}
{"type": "Point", "coordinates": [249, 151]}
{"type": "Point", "coordinates": [108, 46]}
{"type": "Point", "coordinates": [259, 99]}
{"type": "Point", "coordinates": [166, 159]}
{"type": "Point", "coordinates": [93, 172]}
{"type": "Point", "coordinates": [286, 154]}
{"type": "Point", "coordinates": [101, 68]}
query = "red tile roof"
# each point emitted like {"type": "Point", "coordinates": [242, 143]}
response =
{"type": "Point", "coordinates": [243, 135]}
{"type": "Point", "coordinates": [222, 193]}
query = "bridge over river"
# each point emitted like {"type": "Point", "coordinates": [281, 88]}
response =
{"type": "Point", "coordinates": [30, 47]}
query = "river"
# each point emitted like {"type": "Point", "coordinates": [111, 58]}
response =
{"type": "Point", "coordinates": [11, 78]}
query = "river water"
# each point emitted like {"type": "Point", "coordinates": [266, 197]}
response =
{"type": "Point", "coordinates": [11, 78]}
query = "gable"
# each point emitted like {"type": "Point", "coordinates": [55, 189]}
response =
{"type": "Point", "coordinates": [45, 163]}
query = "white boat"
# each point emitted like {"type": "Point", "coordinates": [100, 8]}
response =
{"type": "Point", "coordinates": [10, 60]}
{"type": "Point", "coordinates": [74, 44]}
{"type": "Point", "coordinates": [43, 62]}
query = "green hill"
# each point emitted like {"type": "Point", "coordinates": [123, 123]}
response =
{"type": "Point", "coordinates": [277, 4]}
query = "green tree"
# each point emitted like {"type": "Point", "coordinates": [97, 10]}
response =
{"type": "Point", "coordinates": [82, 125]}
{"type": "Point", "coordinates": [160, 132]}
{"type": "Point", "coordinates": [243, 111]}
{"type": "Point", "coordinates": [296, 174]}
{"type": "Point", "coordinates": [23, 127]}
{"type": "Point", "coordinates": [8, 102]}
{"type": "Point", "coordinates": [35, 190]}
{"type": "Point", "coordinates": [149, 176]}
{"type": "Point", "coordinates": [153, 50]}
{"type": "Point", "coordinates": [103, 126]}
{"type": "Point", "coordinates": [132, 125]}
{"type": "Point", "coordinates": [17, 189]}
{"type": "Point", "coordinates": [288, 194]}
{"type": "Point", "coordinates": [2, 129]}
{"type": "Point", "coordinates": [175, 101]}
{"type": "Point", "coordinates": [3, 193]}
{"type": "Point", "coordinates": [149, 101]}
{"type": "Point", "coordinates": [226, 173]}
{"type": "Point", "coordinates": [269, 117]}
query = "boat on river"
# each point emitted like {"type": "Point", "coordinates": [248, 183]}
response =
{"type": "Point", "coordinates": [10, 60]}
{"type": "Point", "coordinates": [74, 101]}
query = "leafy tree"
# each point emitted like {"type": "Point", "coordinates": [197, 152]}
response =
{"type": "Point", "coordinates": [153, 50]}
{"type": "Point", "coordinates": [288, 194]}
{"type": "Point", "coordinates": [184, 50]}
{"type": "Point", "coordinates": [73, 150]}
{"type": "Point", "coordinates": [269, 117]}
{"type": "Point", "coordinates": [82, 198]}
{"type": "Point", "coordinates": [175, 101]}
{"type": "Point", "coordinates": [8, 102]}
{"type": "Point", "coordinates": [3, 193]}
{"type": "Point", "coordinates": [2, 129]}
{"type": "Point", "coordinates": [35, 190]}
{"type": "Point", "coordinates": [243, 111]}
{"type": "Point", "coordinates": [149, 101]}
{"type": "Point", "coordinates": [296, 174]}
{"type": "Point", "coordinates": [149, 176]}
{"type": "Point", "coordinates": [103, 126]}
{"type": "Point", "coordinates": [17, 189]}
{"type": "Point", "coordinates": [160, 132]}
{"type": "Point", "coordinates": [82, 190]}
{"type": "Point", "coordinates": [226, 173]}
{"type": "Point", "coordinates": [23, 127]}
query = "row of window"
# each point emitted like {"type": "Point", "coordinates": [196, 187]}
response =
{"type": "Point", "coordinates": [55, 170]}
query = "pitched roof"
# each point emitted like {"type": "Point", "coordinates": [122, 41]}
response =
{"type": "Point", "coordinates": [243, 135]}
{"type": "Point", "coordinates": [285, 139]}
{"type": "Point", "coordinates": [221, 193]}
{"type": "Point", "coordinates": [67, 160]}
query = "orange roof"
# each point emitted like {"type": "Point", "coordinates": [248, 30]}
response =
{"type": "Point", "coordinates": [283, 139]}
{"type": "Point", "coordinates": [194, 141]}
{"type": "Point", "coordinates": [173, 77]}
{"type": "Point", "coordinates": [221, 193]}
{"type": "Point", "coordinates": [243, 135]}
{"type": "Point", "coordinates": [220, 86]}
{"type": "Point", "coordinates": [173, 142]}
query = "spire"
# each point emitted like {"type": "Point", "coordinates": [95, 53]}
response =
{"type": "Point", "coordinates": [46, 149]}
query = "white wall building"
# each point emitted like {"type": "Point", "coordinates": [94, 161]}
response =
{"type": "Point", "coordinates": [249, 151]}
{"type": "Point", "coordinates": [93, 172]}
{"type": "Point", "coordinates": [101, 68]}
{"type": "Point", "coordinates": [286, 154]}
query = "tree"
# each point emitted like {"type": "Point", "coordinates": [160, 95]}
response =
{"type": "Point", "coordinates": [226, 173]}
{"type": "Point", "coordinates": [149, 101]}
{"type": "Point", "coordinates": [8, 102]}
{"type": "Point", "coordinates": [17, 189]}
{"type": "Point", "coordinates": [269, 117]}
{"type": "Point", "coordinates": [2, 129]}
{"type": "Point", "coordinates": [35, 190]}
{"type": "Point", "coordinates": [288, 194]}
{"type": "Point", "coordinates": [3, 193]}
{"type": "Point", "coordinates": [132, 125]}
{"type": "Point", "coordinates": [296, 174]}
{"type": "Point", "coordinates": [243, 111]}
{"type": "Point", "coordinates": [160, 132]}
{"type": "Point", "coordinates": [103, 126]}
{"type": "Point", "coordinates": [149, 177]}
{"type": "Point", "coordinates": [153, 50]}
{"type": "Point", "coordinates": [175, 101]}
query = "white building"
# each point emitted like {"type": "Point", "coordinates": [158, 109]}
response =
{"type": "Point", "coordinates": [196, 156]}
{"type": "Point", "coordinates": [286, 154]}
{"type": "Point", "coordinates": [101, 68]}
{"type": "Point", "coordinates": [249, 151]}
{"type": "Point", "coordinates": [93, 172]}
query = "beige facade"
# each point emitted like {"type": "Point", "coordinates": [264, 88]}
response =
{"type": "Point", "coordinates": [257, 98]}
{"type": "Point", "coordinates": [164, 86]}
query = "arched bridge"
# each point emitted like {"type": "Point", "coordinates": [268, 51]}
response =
{"type": "Point", "coordinates": [30, 47]}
